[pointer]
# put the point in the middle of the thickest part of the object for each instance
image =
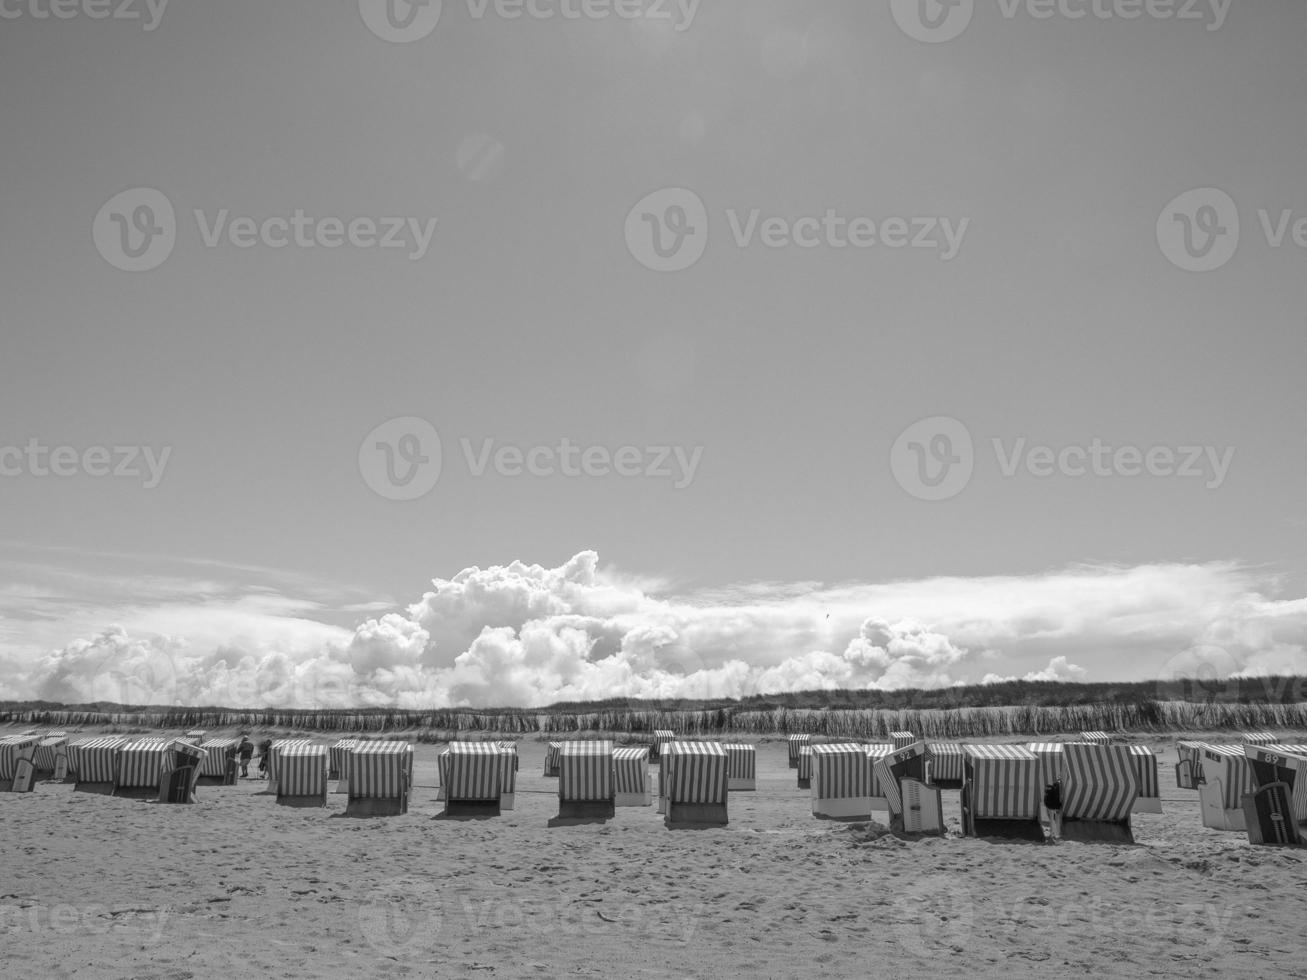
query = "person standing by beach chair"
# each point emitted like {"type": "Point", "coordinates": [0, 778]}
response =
{"type": "Point", "coordinates": [265, 758]}
{"type": "Point", "coordinates": [247, 753]}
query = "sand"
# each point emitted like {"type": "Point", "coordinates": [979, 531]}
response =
{"type": "Point", "coordinates": [237, 886]}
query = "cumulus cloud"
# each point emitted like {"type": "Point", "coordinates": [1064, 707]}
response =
{"type": "Point", "coordinates": [527, 635]}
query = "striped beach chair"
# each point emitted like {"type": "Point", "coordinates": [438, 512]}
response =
{"type": "Point", "coordinates": [303, 775]}
{"type": "Point", "coordinates": [1227, 778]}
{"type": "Point", "coordinates": [51, 757]}
{"type": "Point", "coordinates": [274, 755]}
{"type": "Point", "coordinates": [804, 768]}
{"type": "Point", "coordinates": [195, 736]}
{"type": "Point", "coordinates": [553, 750]}
{"type": "Point", "coordinates": [741, 767]}
{"type": "Point", "coordinates": [1276, 811]}
{"type": "Point", "coordinates": [1149, 799]}
{"type": "Point", "coordinates": [793, 744]}
{"type": "Point", "coordinates": [901, 740]}
{"type": "Point", "coordinates": [1258, 738]}
{"type": "Point", "coordinates": [93, 762]}
{"type": "Point", "coordinates": [508, 791]}
{"type": "Point", "coordinates": [914, 805]}
{"type": "Point", "coordinates": [945, 759]}
{"type": "Point", "coordinates": [1189, 766]}
{"type": "Point", "coordinates": [1050, 770]}
{"type": "Point", "coordinates": [1002, 789]}
{"type": "Point", "coordinates": [138, 767]}
{"type": "Point", "coordinates": [379, 776]}
{"type": "Point", "coordinates": [586, 789]}
{"type": "Point", "coordinates": [874, 752]}
{"type": "Point", "coordinates": [337, 755]}
{"type": "Point", "coordinates": [631, 776]}
{"type": "Point", "coordinates": [841, 781]}
{"type": "Point", "coordinates": [695, 778]}
{"type": "Point", "coordinates": [1096, 738]}
{"type": "Point", "coordinates": [180, 772]}
{"type": "Point", "coordinates": [1099, 790]}
{"type": "Point", "coordinates": [662, 737]}
{"type": "Point", "coordinates": [473, 777]}
{"type": "Point", "coordinates": [214, 766]}
{"type": "Point", "coordinates": [17, 763]}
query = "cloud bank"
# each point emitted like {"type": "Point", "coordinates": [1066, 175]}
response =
{"type": "Point", "coordinates": [526, 635]}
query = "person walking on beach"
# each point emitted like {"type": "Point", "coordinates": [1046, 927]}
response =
{"type": "Point", "coordinates": [247, 753]}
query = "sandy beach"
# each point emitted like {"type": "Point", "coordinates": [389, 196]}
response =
{"type": "Point", "coordinates": [237, 886]}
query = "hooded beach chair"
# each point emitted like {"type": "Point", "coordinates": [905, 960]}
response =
{"type": "Point", "coordinates": [1002, 790]}
{"type": "Point", "coordinates": [17, 763]}
{"type": "Point", "coordinates": [803, 771]}
{"type": "Point", "coordinates": [195, 736]}
{"type": "Point", "coordinates": [841, 781]}
{"type": "Point", "coordinates": [380, 777]}
{"type": "Point", "coordinates": [138, 767]}
{"type": "Point", "coordinates": [1227, 777]}
{"type": "Point", "coordinates": [302, 775]}
{"type": "Point", "coordinates": [631, 776]}
{"type": "Point", "coordinates": [695, 777]}
{"type": "Point", "coordinates": [180, 772]}
{"type": "Point", "coordinates": [586, 788]}
{"type": "Point", "coordinates": [336, 756]}
{"type": "Point", "coordinates": [914, 805]}
{"type": "Point", "coordinates": [51, 757]}
{"type": "Point", "coordinates": [552, 752]}
{"type": "Point", "coordinates": [1258, 738]}
{"type": "Point", "coordinates": [215, 764]}
{"type": "Point", "coordinates": [901, 740]}
{"type": "Point", "coordinates": [1276, 811]}
{"type": "Point", "coordinates": [945, 760]}
{"type": "Point", "coordinates": [793, 744]}
{"type": "Point", "coordinates": [473, 778]}
{"type": "Point", "coordinates": [279, 746]}
{"type": "Point", "coordinates": [1096, 738]}
{"type": "Point", "coordinates": [1099, 790]}
{"type": "Point", "coordinates": [741, 767]}
{"type": "Point", "coordinates": [1189, 765]}
{"type": "Point", "coordinates": [662, 737]}
{"type": "Point", "coordinates": [93, 762]}
{"type": "Point", "coordinates": [1149, 799]}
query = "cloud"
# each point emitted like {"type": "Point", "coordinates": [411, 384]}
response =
{"type": "Point", "coordinates": [526, 635]}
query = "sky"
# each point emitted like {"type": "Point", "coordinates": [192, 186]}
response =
{"type": "Point", "coordinates": [482, 353]}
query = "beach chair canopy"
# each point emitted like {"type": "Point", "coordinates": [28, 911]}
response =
{"type": "Point", "coordinates": [841, 771]}
{"type": "Point", "coordinates": [695, 773]}
{"type": "Point", "coordinates": [1098, 782]}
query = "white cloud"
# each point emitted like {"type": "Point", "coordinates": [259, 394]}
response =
{"type": "Point", "coordinates": [521, 634]}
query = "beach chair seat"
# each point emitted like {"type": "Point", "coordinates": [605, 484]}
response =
{"type": "Point", "coordinates": [912, 808]}
{"type": "Point", "coordinates": [1227, 777]}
